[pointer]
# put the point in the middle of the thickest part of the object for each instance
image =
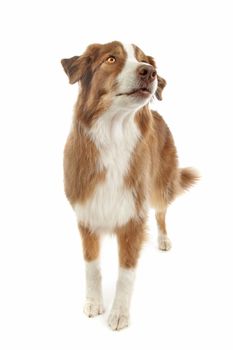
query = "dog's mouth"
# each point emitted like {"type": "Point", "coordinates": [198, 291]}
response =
{"type": "Point", "coordinates": [142, 92]}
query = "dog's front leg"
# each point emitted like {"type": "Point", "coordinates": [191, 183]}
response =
{"type": "Point", "coordinates": [91, 246]}
{"type": "Point", "coordinates": [130, 240]}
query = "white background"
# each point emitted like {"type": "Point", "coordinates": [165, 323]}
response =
{"type": "Point", "coordinates": [182, 299]}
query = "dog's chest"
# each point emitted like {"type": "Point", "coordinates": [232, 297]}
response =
{"type": "Point", "coordinates": [112, 203]}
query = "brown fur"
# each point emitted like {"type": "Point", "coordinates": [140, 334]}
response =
{"type": "Point", "coordinates": [81, 173]}
{"type": "Point", "coordinates": [138, 176]}
{"type": "Point", "coordinates": [188, 177]}
{"type": "Point", "coordinates": [91, 243]}
{"type": "Point", "coordinates": [92, 100]}
{"type": "Point", "coordinates": [130, 240]}
{"type": "Point", "coordinates": [160, 217]}
{"type": "Point", "coordinates": [164, 165]}
{"type": "Point", "coordinates": [153, 169]}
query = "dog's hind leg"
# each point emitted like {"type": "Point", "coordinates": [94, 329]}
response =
{"type": "Point", "coordinates": [163, 240]}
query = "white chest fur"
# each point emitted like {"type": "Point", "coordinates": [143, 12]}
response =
{"type": "Point", "coordinates": [112, 204]}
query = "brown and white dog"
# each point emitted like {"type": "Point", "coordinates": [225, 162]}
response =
{"type": "Point", "coordinates": [119, 160]}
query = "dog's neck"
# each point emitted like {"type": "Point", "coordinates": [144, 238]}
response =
{"type": "Point", "coordinates": [116, 125]}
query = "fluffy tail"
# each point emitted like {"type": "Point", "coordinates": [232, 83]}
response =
{"type": "Point", "coordinates": [188, 177]}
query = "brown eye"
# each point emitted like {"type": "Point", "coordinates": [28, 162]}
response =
{"type": "Point", "coordinates": [111, 60]}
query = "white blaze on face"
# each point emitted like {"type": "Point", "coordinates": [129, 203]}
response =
{"type": "Point", "coordinates": [130, 53]}
{"type": "Point", "coordinates": [128, 79]}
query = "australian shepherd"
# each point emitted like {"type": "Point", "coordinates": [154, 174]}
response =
{"type": "Point", "coordinates": [119, 161]}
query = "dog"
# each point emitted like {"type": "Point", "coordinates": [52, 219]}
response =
{"type": "Point", "coordinates": [119, 160]}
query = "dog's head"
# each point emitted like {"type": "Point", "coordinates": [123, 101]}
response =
{"type": "Point", "coordinates": [116, 73]}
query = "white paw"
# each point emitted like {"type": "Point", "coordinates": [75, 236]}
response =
{"type": "Point", "coordinates": [118, 320]}
{"type": "Point", "coordinates": [93, 308]}
{"type": "Point", "coordinates": [164, 243]}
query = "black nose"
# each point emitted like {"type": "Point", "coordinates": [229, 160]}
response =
{"type": "Point", "coordinates": [146, 72]}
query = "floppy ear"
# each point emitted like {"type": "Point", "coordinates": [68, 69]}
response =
{"type": "Point", "coordinates": [74, 68]}
{"type": "Point", "coordinates": [161, 85]}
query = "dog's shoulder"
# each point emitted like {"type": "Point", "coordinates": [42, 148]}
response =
{"type": "Point", "coordinates": [161, 131]}
{"type": "Point", "coordinates": [158, 120]}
